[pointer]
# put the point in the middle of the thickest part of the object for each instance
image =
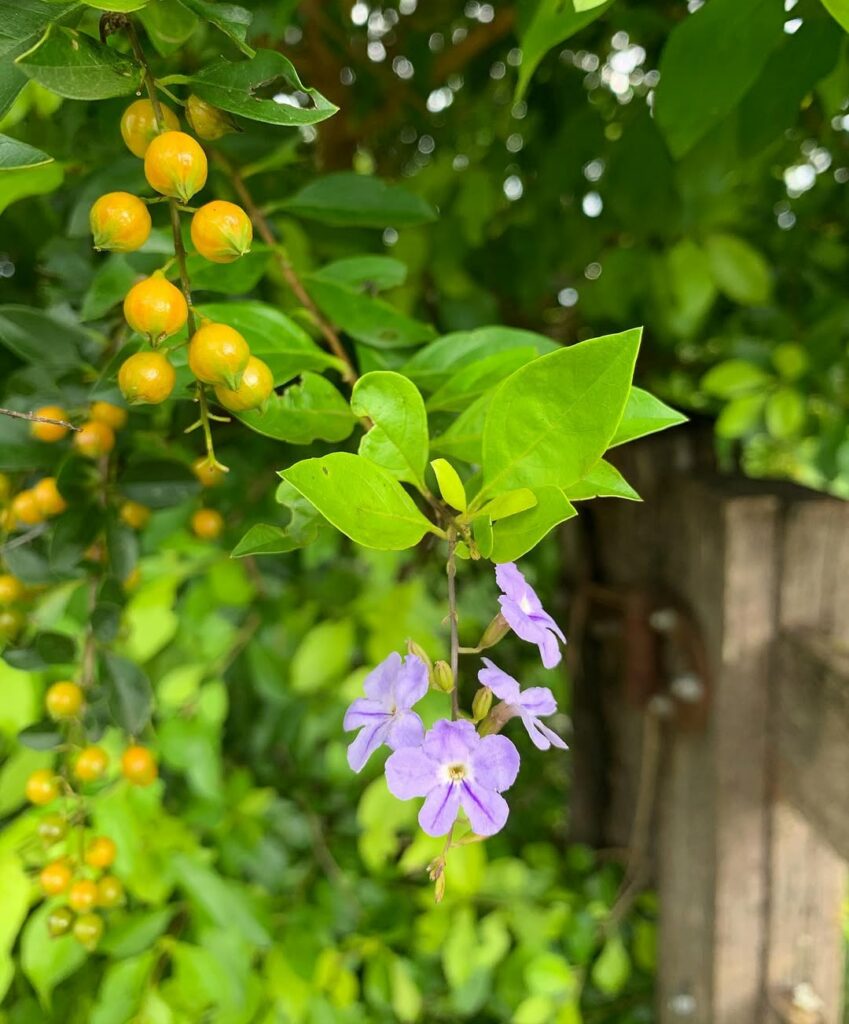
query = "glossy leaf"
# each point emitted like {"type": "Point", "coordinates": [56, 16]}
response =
{"type": "Point", "coordinates": [310, 410]}
{"type": "Point", "coordinates": [358, 200]}
{"type": "Point", "coordinates": [552, 23]}
{"type": "Point", "coordinates": [398, 438]}
{"type": "Point", "coordinates": [231, 19]}
{"type": "Point", "coordinates": [450, 485]}
{"type": "Point", "coordinates": [602, 481]}
{"type": "Point", "coordinates": [15, 154]}
{"type": "Point", "coordinates": [644, 414]}
{"type": "Point", "coordinates": [77, 67]}
{"type": "Point", "coordinates": [554, 418]}
{"type": "Point", "coordinates": [476, 378]}
{"type": "Point", "coordinates": [128, 692]}
{"type": "Point", "coordinates": [518, 534]}
{"type": "Point", "coordinates": [360, 499]}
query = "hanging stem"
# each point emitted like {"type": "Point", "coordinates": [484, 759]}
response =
{"type": "Point", "coordinates": [289, 273]}
{"type": "Point", "coordinates": [34, 418]}
{"type": "Point", "coordinates": [179, 249]}
{"type": "Point", "coordinates": [451, 570]}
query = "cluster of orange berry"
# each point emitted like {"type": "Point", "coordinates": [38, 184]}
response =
{"type": "Point", "coordinates": [83, 877]}
{"type": "Point", "coordinates": [175, 165]}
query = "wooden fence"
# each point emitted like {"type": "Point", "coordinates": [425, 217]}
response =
{"type": "Point", "coordinates": [711, 656]}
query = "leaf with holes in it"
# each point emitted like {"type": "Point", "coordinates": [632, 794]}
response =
{"type": "Point", "coordinates": [233, 86]}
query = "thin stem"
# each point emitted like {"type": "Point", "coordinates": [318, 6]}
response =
{"type": "Point", "coordinates": [24, 538]}
{"type": "Point", "coordinates": [35, 418]}
{"type": "Point", "coordinates": [263, 228]}
{"type": "Point", "coordinates": [451, 570]}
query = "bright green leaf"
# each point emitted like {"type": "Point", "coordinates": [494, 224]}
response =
{"type": "Point", "coordinates": [785, 413]}
{"type": "Point", "coordinates": [307, 411]}
{"type": "Point", "coordinates": [398, 439]}
{"type": "Point", "coordinates": [602, 481]}
{"type": "Point", "coordinates": [734, 377]}
{"type": "Point", "coordinates": [740, 271]}
{"type": "Point", "coordinates": [231, 19]}
{"type": "Point", "coordinates": [552, 23]}
{"type": "Point", "coordinates": [450, 485]}
{"type": "Point", "coordinates": [518, 534]}
{"type": "Point", "coordinates": [644, 414]}
{"type": "Point", "coordinates": [613, 967]}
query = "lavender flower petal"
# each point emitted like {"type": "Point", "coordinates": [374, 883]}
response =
{"type": "Point", "coordinates": [538, 700]}
{"type": "Point", "coordinates": [365, 743]}
{"type": "Point", "coordinates": [541, 736]}
{"type": "Point", "coordinates": [405, 730]}
{"type": "Point", "coordinates": [410, 773]}
{"type": "Point", "coordinates": [487, 810]}
{"type": "Point", "coordinates": [495, 763]}
{"type": "Point", "coordinates": [378, 683]}
{"type": "Point", "coordinates": [439, 811]}
{"type": "Point", "coordinates": [503, 686]}
{"type": "Point", "coordinates": [411, 682]}
{"type": "Point", "coordinates": [363, 712]}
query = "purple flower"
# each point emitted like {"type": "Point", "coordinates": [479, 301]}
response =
{"type": "Point", "coordinates": [384, 715]}
{"type": "Point", "coordinates": [526, 616]}
{"type": "Point", "coordinates": [526, 704]}
{"type": "Point", "coordinates": [454, 768]}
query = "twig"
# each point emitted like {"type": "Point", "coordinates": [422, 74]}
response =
{"type": "Point", "coordinates": [33, 418]}
{"type": "Point", "coordinates": [451, 570]}
{"type": "Point", "coordinates": [263, 228]}
{"type": "Point", "coordinates": [24, 538]}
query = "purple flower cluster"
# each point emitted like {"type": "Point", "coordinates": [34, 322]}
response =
{"type": "Point", "coordinates": [453, 766]}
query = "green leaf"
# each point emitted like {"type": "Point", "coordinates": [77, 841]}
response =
{"type": "Point", "coordinates": [47, 962]}
{"type": "Point", "coordinates": [741, 416]}
{"type": "Point", "coordinates": [464, 438]}
{"type": "Point", "coordinates": [358, 200]}
{"type": "Point", "coordinates": [369, 320]}
{"type": "Point", "coordinates": [644, 414]}
{"type": "Point", "coordinates": [119, 6]}
{"type": "Point", "coordinates": [224, 902]}
{"type": "Point", "coordinates": [433, 365]}
{"type": "Point", "coordinates": [233, 87]}
{"type": "Point", "coordinates": [450, 485]}
{"type": "Point", "coordinates": [370, 273]}
{"type": "Point", "coordinates": [46, 648]}
{"type": "Point", "coordinates": [308, 411]}
{"type": "Point", "coordinates": [232, 20]}
{"type": "Point", "coordinates": [554, 418]}
{"type": "Point", "coordinates": [476, 378]}
{"type": "Point", "coordinates": [272, 336]}
{"type": "Point", "coordinates": [236, 278]}
{"type": "Point", "coordinates": [323, 656]}
{"type": "Point", "coordinates": [739, 270]}
{"type": "Point", "coordinates": [785, 413]}
{"type": "Point", "coordinates": [128, 692]}
{"type": "Point", "coordinates": [710, 61]}
{"type": "Point", "coordinates": [14, 899]}
{"type": "Point", "coordinates": [40, 736]}
{"type": "Point", "coordinates": [36, 337]}
{"type": "Point", "coordinates": [77, 67]}
{"type": "Point", "coordinates": [108, 287]}
{"type": "Point", "coordinates": [553, 22]}
{"type": "Point", "coordinates": [361, 500]}
{"type": "Point", "coordinates": [159, 484]}
{"type": "Point", "coordinates": [839, 10]}
{"type": "Point", "coordinates": [602, 481]}
{"type": "Point", "coordinates": [613, 967]}
{"type": "Point", "coordinates": [122, 988]}
{"type": "Point", "coordinates": [518, 534]}
{"type": "Point", "coordinates": [15, 154]}
{"type": "Point", "coordinates": [734, 377]}
{"type": "Point", "coordinates": [398, 439]}
{"type": "Point", "coordinates": [510, 503]}
{"type": "Point", "coordinates": [265, 539]}
{"type": "Point", "coordinates": [168, 25]}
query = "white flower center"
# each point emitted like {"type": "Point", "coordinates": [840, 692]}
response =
{"type": "Point", "coordinates": [455, 771]}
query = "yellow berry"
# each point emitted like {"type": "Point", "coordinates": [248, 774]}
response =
{"type": "Point", "coordinates": [101, 853]}
{"type": "Point", "coordinates": [49, 431]}
{"type": "Point", "coordinates": [146, 378]}
{"type": "Point", "coordinates": [55, 877]}
{"type": "Point", "coordinates": [110, 892]}
{"type": "Point", "coordinates": [218, 354]}
{"type": "Point", "coordinates": [221, 231]}
{"type": "Point", "coordinates": [254, 388]}
{"type": "Point", "coordinates": [135, 515]}
{"type": "Point", "coordinates": [206, 121]}
{"type": "Point", "coordinates": [207, 474]}
{"type": "Point", "coordinates": [175, 165]}
{"type": "Point", "coordinates": [25, 510]}
{"type": "Point", "coordinates": [41, 787]}
{"type": "Point", "coordinates": [155, 307]}
{"type": "Point", "coordinates": [11, 588]}
{"type": "Point", "coordinates": [207, 524]}
{"type": "Point", "coordinates": [138, 766]}
{"type": "Point", "coordinates": [12, 622]}
{"type": "Point", "coordinates": [82, 895]}
{"type": "Point", "coordinates": [64, 700]}
{"type": "Point", "coordinates": [94, 439]}
{"type": "Point", "coordinates": [120, 222]}
{"type": "Point", "coordinates": [91, 764]}
{"type": "Point", "coordinates": [88, 929]}
{"type": "Point", "coordinates": [50, 502]}
{"type": "Point", "coordinates": [139, 128]}
{"type": "Point", "coordinates": [106, 412]}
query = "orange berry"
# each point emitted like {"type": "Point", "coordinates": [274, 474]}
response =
{"type": "Point", "coordinates": [139, 128]}
{"type": "Point", "coordinates": [105, 412]}
{"type": "Point", "coordinates": [25, 510]}
{"type": "Point", "coordinates": [101, 853]}
{"type": "Point", "coordinates": [206, 121]}
{"type": "Point", "coordinates": [88, 930]}
{"type": "Point", "coordinates": [209, 475]}
{"type": "Point", "coordinates": [139, 766]}
{"type": "Point", "coordinates": [55, 877]}
{"type": "Point", "coordinates": [11, 623]}
{"type": "Point", "coordinates": [59, 922]}
{"type": "Point", "coordinates": [146, 377]}
{"type": "Point", "coordinates": [134, 515]}
{"type": "Point", "coordinates": [11, 588]}
{"type": "Point", "coordinates": [83, 895]}
{"type": "Point", "coordinates": [94, 439]}
{"type": "Point", "coordinates": [175, 165]}
{"type": "Point", "coordinates": [119, 222]}
{"type": "Point", "coordinates": [207, 524]}
{"type": "Point", "coordinates": [91, 764]}
{"type": "Point", "coordinates": [49, 431]}
{"type": "Point", "coordinates": [221, 231]}
{"type": "Point", "coordinates": [254, 388]}
{"type": "Point", "coordinates": [52, 828]}
{"type": "Point", "coordinates": [155, 308]}
{"type": "Point", "coordinates": [110, 892]}
{"type": "Point", "coordinates": [50, 502]}
{"type": "Point", "coordinates": [64, 700]}
{"type": "Point", "coordinates": [218, 355]}
{"type": "Point", "coordinates": [41, 787]}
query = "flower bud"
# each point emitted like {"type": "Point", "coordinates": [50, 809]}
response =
{"type": "Point", "coordinates": [206, 121]}
{"type": "Point", "coordinates": [495, 631]}
{"type": "Point", "coordinates": [443, 677]}
{"type": "Point", "coordinates": [420, 652]}
{"type": "Point", "coordinates": [439, 889]}
{"type": "Point", "coordinates": [481, 703]}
